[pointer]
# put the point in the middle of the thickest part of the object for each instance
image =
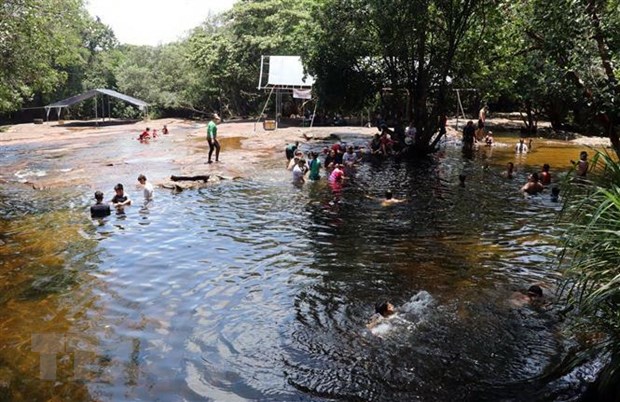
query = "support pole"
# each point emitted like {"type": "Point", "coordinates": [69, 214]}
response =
{"type": "Point", "coordinates": [278, 107]}
{"type": "Point", "coordinates": [314, 113]}
{"type": "Point", "coordinates": [260, 76]}
{"type": "Point", "coordinates": [458, 100]}
{"type": "Point", "coordinates": [263, 111]}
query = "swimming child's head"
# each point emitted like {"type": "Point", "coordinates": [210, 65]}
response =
{"type": "Point", "coordinates": [142, 178]}
{"type": "Point", "coordinates": [555, 191]}
{"type": "Point", "coordinates": [546, 167]}
{"type": "Point", "coordinates": [98, 195]}
{"type": "Point", "coordinates": [388, 194]}
{"type": "Point", "coordinates": [583, 155]}
{"type": "Point", "coordinates": [385, 308]}
{"type": "Point", "coordinates": [535, 291]}
{"type": "Point", "coordinates": [119, 189]}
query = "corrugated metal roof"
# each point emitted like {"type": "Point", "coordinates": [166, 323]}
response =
{"type": "Point", "coordinates": [93, 92]}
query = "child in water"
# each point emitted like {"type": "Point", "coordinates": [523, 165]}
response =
{"type": "Point", "coordinates": [389, 200]}
{"type": "Point", "coordinates": [555, 194]}
{"type": "Point", "coordinates": [99, 210]}
{"type": "Point", "coordinates": [582, 164]}
{"type": "Point", "coordinates": [462, 179]}
{"type": "Point", "coordinates": [382, 310]}
{"type": "Point", "coordinates": [534, 295]}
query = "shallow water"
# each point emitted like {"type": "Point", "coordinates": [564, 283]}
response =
{"type": "Point", "coordinates": [257, 289]}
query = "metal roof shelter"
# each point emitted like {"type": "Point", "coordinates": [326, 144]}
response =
{"type": "Point", "coordinates": [93, 93]}
{"type": "Point", "coordinates": [283, 74]}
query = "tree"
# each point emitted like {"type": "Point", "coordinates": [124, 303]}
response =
{"type": "Point", "coordinates": [38, 39]}
{"type": "Point", "coordinates": [227, 49]}
{"type": "Point", "coordinates": [411, 54]}
{"type": "Point", "coordinates": [559, 40]}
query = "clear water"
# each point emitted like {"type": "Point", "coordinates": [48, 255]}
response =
{"type": "Point", "coordinates": [260, 290]}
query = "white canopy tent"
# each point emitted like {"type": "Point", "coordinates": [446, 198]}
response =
{"type": "Point", "coordinates": [58, 106]}
{"type": "Point", "coordinates": [284, 74]}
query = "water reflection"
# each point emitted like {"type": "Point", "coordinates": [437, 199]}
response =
{"type": "Point", "coordinates": [257, 289]}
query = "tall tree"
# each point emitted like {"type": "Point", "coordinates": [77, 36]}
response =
{"type": "Point", "coordinates": [407, 48]}
{"type": "Point", "coordinates": [38, 39]}
{"type": "Point", "coordinates": [227, 49]}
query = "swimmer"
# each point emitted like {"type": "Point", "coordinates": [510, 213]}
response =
{"type": "Point", "coordinates": [295, 160]}
{"type": "Point", "coordinates": [555, 194]}
{"type": "Point", "coordinates": [145, 136]}
{"type": "Point", "coordinates": [337, 174]}
{"type": "Point", "coordinates": [120, 200]}
{"type": "Point", "coordinates": [99, 210]}
{"type": "Point", "coordinates": [299, 171]}
{"type": "Point", "coordinates": [315, 166]}
{"type": "Point", "coordinates": [533, 186]}
{"type": "Point", "coordinates": [389, 199]}
{"type": "Point", "coordinates": [383, 310]}
{"type": "Point", "coordinates": [582, 164]}
{"type": "Point", "coordinates": [488, 140]}
{"type": "Point", "coordinates": [164, 130]}
{"type": "Point", "coordinates": [462, 179]}
{"type": "Point", "coordinates": [545, 176]}
{"type": "Point", "coordinates": [148, 188]}
{"type": "Point", "coordinates": [349, 158]}
{"type": "Point", "coordinates": [534, 294]}
{"type": "Point", "coordinates": [510, 167]}
{"type": "Point", "coordinates": [290, 149]}
{"type": "Point", "coordinates": [521, 148]}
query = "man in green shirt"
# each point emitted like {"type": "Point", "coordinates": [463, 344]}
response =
{"type": "Point", "coordinates": [212, 138]}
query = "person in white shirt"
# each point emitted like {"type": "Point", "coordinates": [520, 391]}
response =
{"type": "Point", "coordinates": [521, 147]}
{"type": "Point", "coordinates": [299, 171]}
{"type": "Point", "coordinates": [410, 133]}
{"type": "Point", "coordinates": [349, 158]}
{"type": "Point", "coordinates": [148, 188]}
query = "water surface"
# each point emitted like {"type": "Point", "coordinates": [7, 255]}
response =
{"type": "Point", "coordinates": [260, 290]}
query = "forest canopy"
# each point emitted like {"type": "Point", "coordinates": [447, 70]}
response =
{"type": "Point", "coordinates": [553, 60]}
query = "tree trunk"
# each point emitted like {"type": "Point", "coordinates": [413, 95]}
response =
{"type": "Point", "coordinates": [203, 178]}
{"type": "Point", "coordinates": [603, 50]}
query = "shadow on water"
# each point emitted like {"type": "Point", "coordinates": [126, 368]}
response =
{"type": "Point", "coordinates": [258, 289]}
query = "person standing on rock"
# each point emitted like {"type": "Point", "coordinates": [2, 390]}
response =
{"type": "Point", "coordinates": [212, 138]}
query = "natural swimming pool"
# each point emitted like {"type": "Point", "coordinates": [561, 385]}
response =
{"type": "Point", "coordinates": [256, 289]}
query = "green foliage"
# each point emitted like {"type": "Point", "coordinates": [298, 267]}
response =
{"type": "Point", "coordinates": [38, 40]}
{"type": "Point", "coordinates": [226, 50]}
{"type": "Point", "coordinates": [403, 48]}
{"type": "Point", "coordinates": [593, 251]}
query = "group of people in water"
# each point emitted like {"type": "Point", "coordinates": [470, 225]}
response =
{"type": "Point", "coordinates": [147, 134]}
{"type": "Point", "coordinates": [537, 181]}
{"type": "Point", "coordinates": [336, 159]}
{"type": "Point", "coordinates": [120, 200]}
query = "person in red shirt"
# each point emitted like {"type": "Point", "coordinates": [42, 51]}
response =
{"type": "Point", "coordinates": [145, 136]}
{"type": "Point", "coordinates": [164, 130]}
